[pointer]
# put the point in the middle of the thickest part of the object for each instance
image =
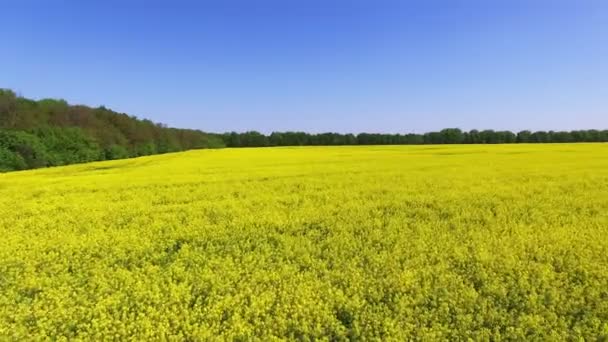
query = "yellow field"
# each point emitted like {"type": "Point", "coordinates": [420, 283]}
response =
{"type": "Point", "coordinates": [394, 243]}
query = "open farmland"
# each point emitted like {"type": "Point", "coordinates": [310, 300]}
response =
{"type": "Point", "coordinates": [394, 243]}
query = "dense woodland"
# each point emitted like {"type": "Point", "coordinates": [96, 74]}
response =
{"type": "Point", "coordinates": [445, 136]}
{"type": "Point", "coordinates": [51, 132]}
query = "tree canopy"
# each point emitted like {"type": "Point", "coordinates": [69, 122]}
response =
{"type": "Point", "coordinates": [445, 136]}
{"type": "Point", "coordinates": [51, 132]}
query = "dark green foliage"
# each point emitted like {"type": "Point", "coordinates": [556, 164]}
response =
{"type": "Point", "coordinates": [68, 145]}
{"type": "Point", "coordinates": [445, 136]}
{"type": "Point", "coordinates": [452, 136]}
{"type": "Point", "coordinates": [115, 152]}
{"type": "Point", "coordinates": [524, 136]}
{"type": "Point", "coordinates": [8, 108]}
{"type": "Point", "coordinates": [10, 160]}
{"type": "Point", "coordinates": [253, 139]}
{"type": "Point", "coordinates": [27, 146]}
{"type": "Point", "coordinates": [51, 132]}
{"type": "Point", "coordinates": [144, 149]}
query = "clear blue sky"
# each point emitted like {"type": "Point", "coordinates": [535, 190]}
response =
{"type": "Point", "coordinates": [317, 65]}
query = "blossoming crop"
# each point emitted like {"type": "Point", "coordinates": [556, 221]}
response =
{"type": "Point", "coordinates": [332, 243]}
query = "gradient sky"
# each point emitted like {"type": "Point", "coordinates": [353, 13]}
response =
{"type": "Point", "coordinates": [317, 65]}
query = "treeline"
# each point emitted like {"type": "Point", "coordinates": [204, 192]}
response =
{"type": "Point", "coordinates": [445, 136]}
{"type": "Point", "coordinates": [51, 132]}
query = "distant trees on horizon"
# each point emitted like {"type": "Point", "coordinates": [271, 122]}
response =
{"type": "Point", "coordinates": [51, 132]}
{"type": "Point", "coordinates": [445, 136]}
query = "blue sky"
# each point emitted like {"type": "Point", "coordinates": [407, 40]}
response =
{"type": "Point", "coordinates": [317, 66]}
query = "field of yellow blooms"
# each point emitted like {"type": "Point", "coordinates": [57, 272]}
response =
{"type": "Point", "coordinates": [503, 242]}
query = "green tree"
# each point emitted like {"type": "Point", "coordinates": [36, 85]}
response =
{"type": "Point", "coordinates": [68, 145]}
{"type": "Point", "coordinates": [10, 161]}
{"type": "Point", "coordinates": [28, 146]}
{"type": "Point", "coordinates": [452, 136]}
{"type": "Point", "coordinates": [115, 152]}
